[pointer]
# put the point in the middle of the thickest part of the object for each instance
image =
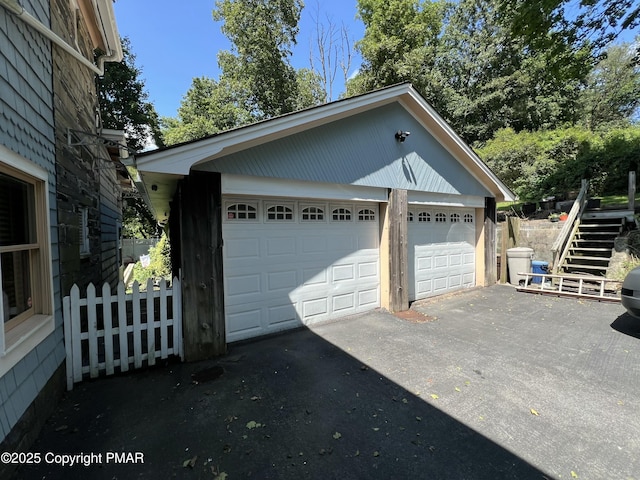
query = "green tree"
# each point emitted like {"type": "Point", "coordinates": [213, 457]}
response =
{"type": "Point", "coordinates": [399, 43]}
{"type": "Point", "coordinates": [497, 81]}
{"type": "Point", "coordinates": [310, 91]}
{"type": "Point", "coordinates": [612, 93]}
{"type": "Point", "coordinates": [595, 23]}
{"type": "Point", "coordinates": [124, 102]}
{"type": "Point", "coordinates": [207, 108]}
{"type": "Point", "coordinates": [137, 220]}
{"type": "Point", "coordinates": [262, 33]}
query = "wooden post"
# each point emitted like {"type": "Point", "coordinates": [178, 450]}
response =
{"type": "Point", "coordinates": [510, 238]}
{"type": "Point", "coordinates": [632, 191]}
{"type": "Point", "coordinates": [490, 258]}
{"type": "Point", "coordinates": [398, 251]}
{"type": "Point", "coordinates": [203, 316]}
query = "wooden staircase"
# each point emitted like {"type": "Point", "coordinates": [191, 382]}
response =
{"type": "Point", "coordinates": [592, 244]}
{"type": "Point", "coordinates": [583, 266]}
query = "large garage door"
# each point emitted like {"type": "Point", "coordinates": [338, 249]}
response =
{"type": "Point", "coordinates": [288, 263]}
{"type": "Point", "coordinates": [441, 250]}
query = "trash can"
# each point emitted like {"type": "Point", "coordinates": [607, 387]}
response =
{"type": "Point", "coordinates": [519, 261]}
{"type": "Point", "coordinates": [538, 266]}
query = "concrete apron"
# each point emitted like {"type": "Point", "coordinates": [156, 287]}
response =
{"type": "Point", "coordinates": [489, 383]}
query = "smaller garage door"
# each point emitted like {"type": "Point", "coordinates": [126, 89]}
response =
{"type": "Point", "coordinates": [288, 263]}
{"type": "Point", "coordinates": [441, 250]}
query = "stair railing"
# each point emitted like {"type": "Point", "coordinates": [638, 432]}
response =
{"type": "Point", "coordinates": [562, 244]}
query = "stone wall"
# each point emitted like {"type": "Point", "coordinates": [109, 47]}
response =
{"type": "Point", "coordinates": [536, 234]}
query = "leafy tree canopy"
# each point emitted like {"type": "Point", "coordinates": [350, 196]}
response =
{"type": "Point", "coordinates": [124, 102]}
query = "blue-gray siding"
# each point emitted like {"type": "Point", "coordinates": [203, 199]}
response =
{"type": "Point", "coordinates": [27, 128]}
{"type": "Point", "coordinates": [359, 150]}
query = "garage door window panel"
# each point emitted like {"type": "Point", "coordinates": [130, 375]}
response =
{"type": "Point", "coordinates": [280, 212]}
{"type": "Point", "coordinates": [242, 212]}
{"type": "Point", "coordinates": [366, 215]}
{"type": "Point", "coordinates": [424, 217]}
{"type": "Point", "coordinates": [313, 213]}
{"type": "Point", "coordinates": [341, 214]}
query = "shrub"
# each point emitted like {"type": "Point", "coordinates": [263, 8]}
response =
{"type": "Point", "coordinates": [159, 266]}
{"type": "Point", "coordinates": [538, 164]}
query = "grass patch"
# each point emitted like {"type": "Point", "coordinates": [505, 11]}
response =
{"type": "Point", "coordinates": [502, 206]}
{"type": "Point", "coordinates": [616, 200]}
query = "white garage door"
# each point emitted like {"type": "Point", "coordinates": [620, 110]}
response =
{"type": "Point", "coordinates": [288, 263]}
{"type": "Point", "coordinates": [441, 250]}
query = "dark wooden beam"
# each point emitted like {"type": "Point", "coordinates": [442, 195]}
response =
{"type": "Point", "coordinates": [490, 256]}
{"type": "Point", "coordinates": [201, 260]}
{"type": "Point", "coordinates": [398, 251]}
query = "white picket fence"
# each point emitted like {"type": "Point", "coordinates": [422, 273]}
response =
{"type": "Point", "coordinates": [122, 331]}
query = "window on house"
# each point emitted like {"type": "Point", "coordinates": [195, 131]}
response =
{"type": "Point", "coordinates": [424, 217]}
{"type": "Point", "coordinates": [341, 214]}
{"type": "Point", "coordinates": [312, 213]}
{"type": "Point", "coordinates": [410, 217]}
{"type": "Point", "coordinates": [279, 212]}
{"type": "Point", "coordinates": [366, 214]}
{"type": "Point", "coordinates": [83, 220]}
{"type": "Point", "coordinates": [441, 217]}
{"type": "Point", "coordinates": [241, 211]}
{"type": "Point", "coordinates": [468, 218]}
{"type": "Point", "coordinates": [24, 270]}
{"type": "Point", "coordinates": [455, 217]}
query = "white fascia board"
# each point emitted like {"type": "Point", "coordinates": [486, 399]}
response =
{"type": "Point", "coordinates": [180, 159]}
{"type": "Point", "coordinates": [497, 185]}
{"type": "Point", "coordinates": [444, 199]}
{"type": "Point", "coordinates": [276, 187]}
{"type": "Point", "coordinates": [106, 14]}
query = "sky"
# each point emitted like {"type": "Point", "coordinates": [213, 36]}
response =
{"type": "Point", "coordinates": [173, 45]}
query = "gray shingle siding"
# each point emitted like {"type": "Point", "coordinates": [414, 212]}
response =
{"type": "Point", "coordinates": [27, 128]}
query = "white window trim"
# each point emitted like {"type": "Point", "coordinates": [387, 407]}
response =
{"type": "Point", "coordinates": [23, 338]}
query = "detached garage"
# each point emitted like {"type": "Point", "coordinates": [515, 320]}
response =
{"type": "Point", "coordinates": [372, 201]}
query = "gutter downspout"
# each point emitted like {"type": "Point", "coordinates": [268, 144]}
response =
{"type": "Point", "coordinates": [18, 10]}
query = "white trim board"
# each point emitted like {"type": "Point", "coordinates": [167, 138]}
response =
{"type": "Point", "coordinates": [445, 200]}
{"type": "Point", "coordinates": [277, 187]}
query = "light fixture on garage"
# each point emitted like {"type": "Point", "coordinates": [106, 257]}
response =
{"type": "Point", "coordinates": [402, 136]}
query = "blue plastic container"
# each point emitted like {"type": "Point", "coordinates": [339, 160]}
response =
{"type": "Point", "coordinates": [538, 266]}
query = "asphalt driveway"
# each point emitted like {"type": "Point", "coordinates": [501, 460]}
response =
{"type": "Point", "coordinates": [486, 384]}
